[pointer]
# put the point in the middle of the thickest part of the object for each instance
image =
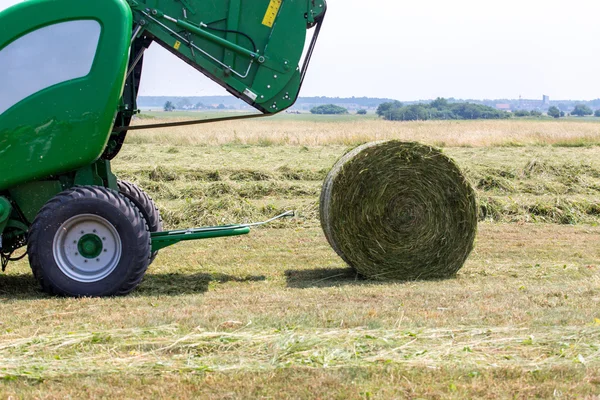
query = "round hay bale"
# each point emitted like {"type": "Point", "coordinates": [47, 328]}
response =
{"type": "Point", "coordinates": [397, 210]}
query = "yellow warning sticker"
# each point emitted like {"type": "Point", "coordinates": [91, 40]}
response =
{"type": "Point", "coordinates": [177, 45]}
{"type": "Point", "coordinates": [271, 13]}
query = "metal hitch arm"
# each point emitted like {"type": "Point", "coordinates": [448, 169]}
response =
{"type": "Point", "coordinates": [160, 240]}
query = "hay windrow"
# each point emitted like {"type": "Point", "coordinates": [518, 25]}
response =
{"type": "Point", "coordinates": [398, 210]}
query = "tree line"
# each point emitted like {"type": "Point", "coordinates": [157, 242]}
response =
{"type": "Point", "coordinates": [185, 104]}
{"type": "Point", "coordinates": [443, 109]}
{"type": "Point", "coordinates": [329, 109]}
{"type": "Point", "coordinates": [438, 109]}
{"type": "Point", "coordinates": [580, 110]}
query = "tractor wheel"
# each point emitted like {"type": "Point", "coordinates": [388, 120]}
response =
{"type": "Point", "coordinates": [89, 241]}
{"type": "Point", "coordinates": [146, 205]}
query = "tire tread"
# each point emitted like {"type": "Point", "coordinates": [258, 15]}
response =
{"type": "Point", "coordinates": [119, 201]}
{"type": "Point", "coordinates": [146, 205]}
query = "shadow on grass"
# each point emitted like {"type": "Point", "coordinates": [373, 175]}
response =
{"type": "Point", "coordinates": [176, 284]}
{"type": "Point", "coordinates": [25, 287]}
{"type": "Point", "coordinates": [307, 278]}
{"type": "Point", "coordinates": [331, 277]}
{"type": "Point", "coordinates": [20, 287]}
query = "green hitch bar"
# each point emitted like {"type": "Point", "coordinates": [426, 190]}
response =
{"type": "Point", "coordinates": [160, 240]}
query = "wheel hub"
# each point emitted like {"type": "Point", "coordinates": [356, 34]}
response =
{"type": "Point", "coordinates": [87, 248]}
{"type": "Point", "coordinates": [90, 246]}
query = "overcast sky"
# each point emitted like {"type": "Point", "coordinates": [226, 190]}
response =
{"type": "Point", "coordinates": [422, 49]}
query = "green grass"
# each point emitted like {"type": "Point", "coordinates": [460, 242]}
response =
{"type": "Point", "coordinates": [211, 184]}
{"type": "Point", "coordinates": [276, 314]}
{"type": "Point", "coordinates": [278, 304]}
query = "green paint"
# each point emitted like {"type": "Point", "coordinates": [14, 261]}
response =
{"type": "Point", "coordinates": [66, 126]}
{"type": "Point", "coordinates": [160, 240]}
{"type": "Point", "coordinates": [98, 174]}
{"type": "Point", "coordinates": [233, 23]}
{"type": "Point", "coordinates": [104, 171]}
{"type": "Point", "coordinates": [216, 39]}
{"type": "Point", "coordinates": [270, 71]}
{"type": "Point", "coordinates": [87, 176]}
{"type": "Point", "coordinates": [90, 246]}
{"type": "Point", "coordinates": [30, 197]}
{"type": "Point", "coordinates": [5, 211]}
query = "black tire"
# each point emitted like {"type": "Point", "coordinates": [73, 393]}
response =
{"type": "Point", "coordinates": [51, 249]}
{"type": "Point", "coordinates": [146, 206]}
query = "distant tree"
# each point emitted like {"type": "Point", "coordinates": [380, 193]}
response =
{"type": "Point", "coordinates": [386, 108]}
{"type": "Point", "coordinates": [329, 109]}
{"type": "Point", "coordinates": [555, 112]}
{"type": "Point", "coordinates": [364, 112]}
{"type": "Point", "coordinates": [562, 114]}
{"type": "Point", "coordinates": [199, 105]}
{"type": "Point", "coordinates": [413, 112]}
{"type": "Point", "coordinates": [582, 110]}
{"type": "Point", "coordinates": [169, 106]}
{"type": "Point", "coordinates": [521, 113]}
{"type": "Point", "coordinates": [221, 107]}
{"type": "Point", "coordinates": [439, 103]}
{"type": "Point", "coordinates": [597, 113]}
{"type": "Point", "coordinates": [183, 103]}
{"type": "Point", "coordinates": [477, 111]}
{"type": "Point", "coordinates": [443, 109]}
{"type": "Point", "coordinates": [535, 113]}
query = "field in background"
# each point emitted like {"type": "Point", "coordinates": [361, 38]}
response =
{"type": "Point", "coordinates": [277, 315]}
{"type": "Point", "coordinates": [319, 130]}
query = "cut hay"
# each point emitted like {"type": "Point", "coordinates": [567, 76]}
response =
{"type": "Point", "coordinates": [398, 210]}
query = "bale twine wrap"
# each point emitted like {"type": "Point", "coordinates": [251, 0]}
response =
{"type": "Point", "coordinates": [397, 210]}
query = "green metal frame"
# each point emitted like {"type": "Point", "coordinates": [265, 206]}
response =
{"type": "Point", "coordinates": [213, 37]}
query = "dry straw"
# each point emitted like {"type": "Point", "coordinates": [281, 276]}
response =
{"type": "Point", "coordinates": [398, 210]}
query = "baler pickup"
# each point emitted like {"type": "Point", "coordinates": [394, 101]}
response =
{"type": "Point", "coordinates": [160, 240]}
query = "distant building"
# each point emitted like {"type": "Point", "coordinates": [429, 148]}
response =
{"type": "Point", "coordinates": [529, 105]}
{"type": "Point", "coordinates": [503, 107]}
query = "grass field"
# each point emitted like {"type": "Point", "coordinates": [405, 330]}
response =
{"type": "Point", "coordinates": [276, 314]}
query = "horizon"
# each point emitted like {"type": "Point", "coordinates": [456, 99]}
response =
{"type": "Point", "coordinates": [226, 95]}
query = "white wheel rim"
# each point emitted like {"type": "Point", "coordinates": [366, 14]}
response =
{"type": "Point", "coordinates": [87, 267]}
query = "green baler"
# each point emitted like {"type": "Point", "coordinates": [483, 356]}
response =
{"type": "Point", "coordinates": [69, 76]}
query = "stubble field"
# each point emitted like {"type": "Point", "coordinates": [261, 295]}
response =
{"type": "Point", "coordinates": [276, 314]}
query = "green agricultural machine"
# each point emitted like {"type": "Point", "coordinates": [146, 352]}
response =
{"type": "Point", "coordinates": [69, 76]}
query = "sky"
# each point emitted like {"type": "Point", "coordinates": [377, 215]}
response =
{"type": "Point", "coordinates": [423, 49]}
